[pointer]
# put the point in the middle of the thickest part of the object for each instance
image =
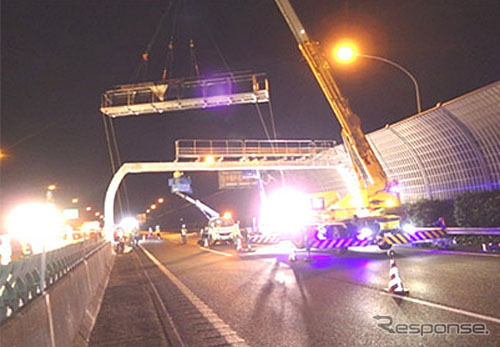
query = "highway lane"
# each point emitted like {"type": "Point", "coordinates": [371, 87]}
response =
{"type": "Point", "coordinates": [332, 300]}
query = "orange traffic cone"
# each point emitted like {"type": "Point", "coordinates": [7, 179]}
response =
{"type": "Point", "coordinates": [395, 283]}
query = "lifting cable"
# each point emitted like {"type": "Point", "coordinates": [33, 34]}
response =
{"type": "Point", "coordinates": [226, 65]}
{"type": "Point", "coordinates": [194, 61]}
{"type": "Point", "coordinates": [273, 124]}
{"type": "Point", "coordinates": [169, 60]}
{"type": "Point", "coordinates": [111, 157]}
{"type": "Point", "coordinates": [143, 64]}
{"type": "Point", "coordinates": [119, 162]}
{"type": "Point", "coordinates": [228, 69]}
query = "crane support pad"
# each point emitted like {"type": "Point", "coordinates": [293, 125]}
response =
{"type": "Point", "coordinates": [401, 238]}
{"type": "Point", "coordinates": [390, 239]}
{"type": "Point", "coordinates": [340, 243]}
{"type": "Point", "coordinates": [264, 239]}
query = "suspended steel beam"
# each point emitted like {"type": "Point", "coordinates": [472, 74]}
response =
{"type": "Point", "coordinates": [184, 94]}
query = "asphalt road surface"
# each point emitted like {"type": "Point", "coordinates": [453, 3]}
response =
{"type": "Point", "coordinates": [261, 299]}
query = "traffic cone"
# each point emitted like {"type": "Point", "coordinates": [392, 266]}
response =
{"type": "Point", "coordinates": [292, 256]}
{"type": "Point", "coordinates": [395, 283]}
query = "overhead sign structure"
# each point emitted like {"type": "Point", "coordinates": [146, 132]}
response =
{"type": "Point", "coordinates": [156, 167]}
{"type": "Point", "coordinates": [237, 179]}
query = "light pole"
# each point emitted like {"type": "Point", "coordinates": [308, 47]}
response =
{"type": "Point", "coordinates": [347, 54]}
{"type": "Point", "coordinates": [49, 196]}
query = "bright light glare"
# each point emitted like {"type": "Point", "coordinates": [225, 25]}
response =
{"type": "Point", "coordinates": [36, 223]}
{"type": "Point", "coordinates": [161, 200]}
{"type": "Point", "coordinates": [129, 224]}
{"type": "Point", "coordinates": [88, 227]}
{"type": "Point", "coordinates": [408, 228]}
{"type": "Point", "coordinates": [5, 249]}
{"type": "Point", "coordinates": [364, 233]}
{"type": "Point", "coordinates": [345, 53]}
{"type": "Point", "coordinates": [227, 215]}
{"type": "Point", "coordinates": [283, 278]}
{"type": "Point", "coordinates": [285, 211]}
{"type": "Point", "coordinates": [390, 203]}
{"type": "Point", "coordinates": [209, 159]}
{"type": "Point", "coordinates": [318, 203]}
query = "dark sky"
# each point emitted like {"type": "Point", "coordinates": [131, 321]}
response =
{"type": "Point", "coordinates": [59, 56]}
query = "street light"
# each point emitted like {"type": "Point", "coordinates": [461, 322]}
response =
{"type": "Point", "coordinates": [49, 196]}
{"type": "Point", "coordinates": [161, 200]}
{"type": "Point", "coordinates": [75, 200]}
{"type": "Point", "coordinates": [153, 206]}
{"type": "Point", "coordinates": [88, 208]}
{"type": "Point", "coordinates": [347, 54]}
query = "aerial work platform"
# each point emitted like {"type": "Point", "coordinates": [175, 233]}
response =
{"type": "Point", "coordinates": [184, 94]}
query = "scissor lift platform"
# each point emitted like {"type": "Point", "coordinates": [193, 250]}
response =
{"type": "Point", "coordinates": [184, 94]}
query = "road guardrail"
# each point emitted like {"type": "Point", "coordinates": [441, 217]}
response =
{"type": "Point", "coordinates": [20, 280]}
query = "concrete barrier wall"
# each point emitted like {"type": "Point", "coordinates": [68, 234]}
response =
{"type": "Point", "coordinates": [65, 314]}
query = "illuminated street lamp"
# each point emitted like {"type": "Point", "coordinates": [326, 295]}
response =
{"type": "Point", "coordinates": [88, 208]}
{"type": "Point", "coordinates": [161, 200]}
{"type": "Point", "coordinates": [49, 196]}
{"type": "Point", "coordinates": [347, 53]}
{"type": "Point", "coordinates": [153, 206]}
{"type": "Point", "coordinates": [75, 200]}
{"type": "Point", "coordinates": [97, 214]}
{"type": "Point", "coordinates": [148, 210]}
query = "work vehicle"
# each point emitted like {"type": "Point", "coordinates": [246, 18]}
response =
{"type": "Point", "coordinates": [373, 208]}
{"type": "Point", "coordinates": [219, 229]}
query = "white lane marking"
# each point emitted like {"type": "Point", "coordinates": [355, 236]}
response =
{"type": "Point", "coordinates": [445, 308]}
{"type": "Point", "coordinates": [51, 320]}
{"type": "Point", "coordinates": [216, 252]}
{"type": "Point", "coordinates": [443, 251]}
{"type": "Point", "coordinates": [465, 253]}
{"type": "Point", "coordinates": [224, 330]}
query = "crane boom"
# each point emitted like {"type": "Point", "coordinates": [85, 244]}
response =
{"type": "Point", "coordinates": [366, 165]}
{"type": "Point", "coordinates": [206, 210]}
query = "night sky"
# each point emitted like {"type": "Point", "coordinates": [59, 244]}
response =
{"type": "Point", "coordinates": [59, 56]}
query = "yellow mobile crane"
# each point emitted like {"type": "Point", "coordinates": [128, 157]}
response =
{"type": "Point", "coordinates": [376, 203]}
